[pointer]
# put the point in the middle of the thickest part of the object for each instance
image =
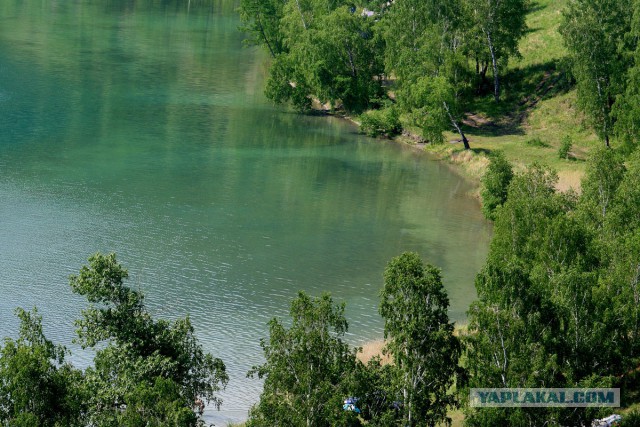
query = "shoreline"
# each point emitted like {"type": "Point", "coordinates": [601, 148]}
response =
{"type": "Point", "coordinates": [374, 347]}
{"type": "Point", "coordinates": [468, 164]}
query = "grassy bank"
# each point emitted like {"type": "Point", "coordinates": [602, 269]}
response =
{"type": "Point", "coordinates": [537, 111]}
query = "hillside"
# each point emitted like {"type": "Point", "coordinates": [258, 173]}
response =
{"type": "Point", "coordinates": [538, 109]}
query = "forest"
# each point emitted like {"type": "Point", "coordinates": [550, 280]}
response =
{"type": "Point", "coordinates": [429, 64]}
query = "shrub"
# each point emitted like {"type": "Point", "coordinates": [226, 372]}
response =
{"type": "Point", "coordinates": [632, 419]}
{"type": "Point", "coordinates": [381, 122]}
{"type": "Point", "coordinates": [565, 147]}
{"type": "Point", "coordinates": [495, 183]}
{"type": "Point", "coordinates": [536, 142]}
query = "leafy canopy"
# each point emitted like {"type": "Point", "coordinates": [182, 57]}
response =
{"type": "Point", "coordinates": [420, 339]}
{"type": "Point", "coordinates": [136, 352]}
{"type": "Point", "coordinates": [306, 367]}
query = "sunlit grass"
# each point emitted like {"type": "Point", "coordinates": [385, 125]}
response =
{"type": "Point", "coordinates": [538, 103]}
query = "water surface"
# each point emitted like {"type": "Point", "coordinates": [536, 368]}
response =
{"type": "Point", "coordinates": [140, 127]}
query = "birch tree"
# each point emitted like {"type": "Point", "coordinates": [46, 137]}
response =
{"type": "Point", "coordinates": [261, 21]}
{"type": "Point", "coordinates": [304, 367]}
{"type": "Point", "coordinates": [593, 31]}
{"type": "Point", "coordinates": [425, 50]}
{"type": "Point", "coordinates": [627, 107]}
{"type": "Point", "coordinates": [498, 25]}
{"type": "Point", "coordinates": [137, 355]}
{"type": "Point", "coordinates": [420, 339]}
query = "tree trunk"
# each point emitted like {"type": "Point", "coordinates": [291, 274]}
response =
{"type": "Point", "coordinates": [464, 139]}
{"type": "Point", "coordinates": [481, 72]}
{"type": "Point", "coordinates": [605, 129]}
{"type": "Point", "coordinates": [354, 72]}
{"type": "Point", "coordinates": [304, 24]}
{"type": "Point", "coordinates": [405, 392]}
{"type": "Point", "coordinates": [264, 36]}
{"type": "Point", "coordinates": [494, 61]}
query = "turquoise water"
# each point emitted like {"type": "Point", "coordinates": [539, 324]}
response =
{"type": "Point", "coordinates": [140, 127]}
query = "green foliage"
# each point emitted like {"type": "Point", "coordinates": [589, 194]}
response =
{"type": "Point", "coordinates": [495, 184]}
{"type": "Point", "coordinates": [604, 173]}
{"type": "Point", "coordinates": [632, 419]}
{"type": "Point", "coordinates": [137, 353]}
{"type": "Point", "coordinates": [381, 122]}
{"type": "Point", "coordinates": [306, 367]}
{"type": "Point", "coordinates": [416, 34]}
{"type": "Point", "coordinates": [496, 28]}
{"type": "Point", "coordinates": [323, 50]}
{"type": "Point", "coordinates": [536, 142]}
{"type": "Point", "coordinates": [145, 373]}
{"type": "Point", "coordinates": [286, 83]}
{"type": "Point", "coordinates": [432, 99]}
{"type": "Point", "coordinates": [261, 21]}
{"type": "Point", "coordinates": [565, 148]}
{"type": "Point", "coordinates": [557, 304]}
{"type": "Point", "coordinates": [156, 405]}
{"type": "Point", "coordinates": [420, 339]}
{"type": "Point", "coordinates": [373, 384]}
{"type": "Point", "coordinates": [627, 107]}
{"type": "Point", "coordinates": [425, 51]}
{"type": "Point", "coordinates": [594, 31]}
{"type": "Point", "coordinates": [37, 387]}
{"type": "Point", "coordinates": [347, 48]}
{"type": "Point", "coordinates": [309, 369]}
{"type": "Point", "coordinates": [333, 52]}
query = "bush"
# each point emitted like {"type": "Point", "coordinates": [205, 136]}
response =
{"type": "Point", "coordinates": [495, 183]}
{"type": "Point", "coordinates": [536, 142]}
{"type": "Point", "coordinates": [565, 147]}
{"type": "Point", "coordinates": [632, 419]}
{"type": "Point", "coordinates": [381, 122]}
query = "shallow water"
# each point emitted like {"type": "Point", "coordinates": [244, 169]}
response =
{"type": "Point", "coordinates": [140, 127]}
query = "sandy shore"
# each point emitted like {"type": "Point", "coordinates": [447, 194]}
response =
{"type": "Point", "coordinates": [372, 349]}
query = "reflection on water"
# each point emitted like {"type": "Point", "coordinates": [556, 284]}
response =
{"type": "Point", "coordinates": [139, 127]}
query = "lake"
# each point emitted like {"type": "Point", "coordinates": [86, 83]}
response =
{"type": "Point", "coordinates": [140, 127]}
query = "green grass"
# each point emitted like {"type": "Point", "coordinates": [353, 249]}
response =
{"type": "Point", "coordinates": [538, 104]}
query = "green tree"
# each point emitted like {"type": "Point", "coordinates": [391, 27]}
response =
{"type": "Point", "coordinates": [498, 26]}
{"type": "Point", "coordinates": [495, 184]}
{"type": "Point", "coordinates": [37, 387]}
{"type": "Point", "coordinates": [373, 384]}
{"type": "Point", "coordinates": [594, 31]}
{"type": "Point", "coordinates": [425, 51]}
{"type": "Point", "coordinates": [156, 405]}
{"type": "Point", "coordinates": [416, 32]}
{"type": "Point", "coordinates": [436, 107]}
{"type": "Point", "coordinates": [627, 106]}
{"type": "Point", "coordinates": [565, 148]}
{"type": "Point", "coordinates": [420, 339]}
{"type": "Point", "coordinates": [347, 59]}
{"type": "Point", "coordinates": [620, 253]}
{"type": "Point", "coordinates": [261, 21]}
{"type": "Point", "coordinates": [306, 367]}
{"type": "Point", "coordinates": [137, 352]}
{"type": "Point", "coordinates": [550, 304]}
{"type": "Point", "coordinates": [381, 122]}
{"type": "Point", "coordinates": [604, 173]}
{"type": "Point", "coordinates": [322, 49]}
